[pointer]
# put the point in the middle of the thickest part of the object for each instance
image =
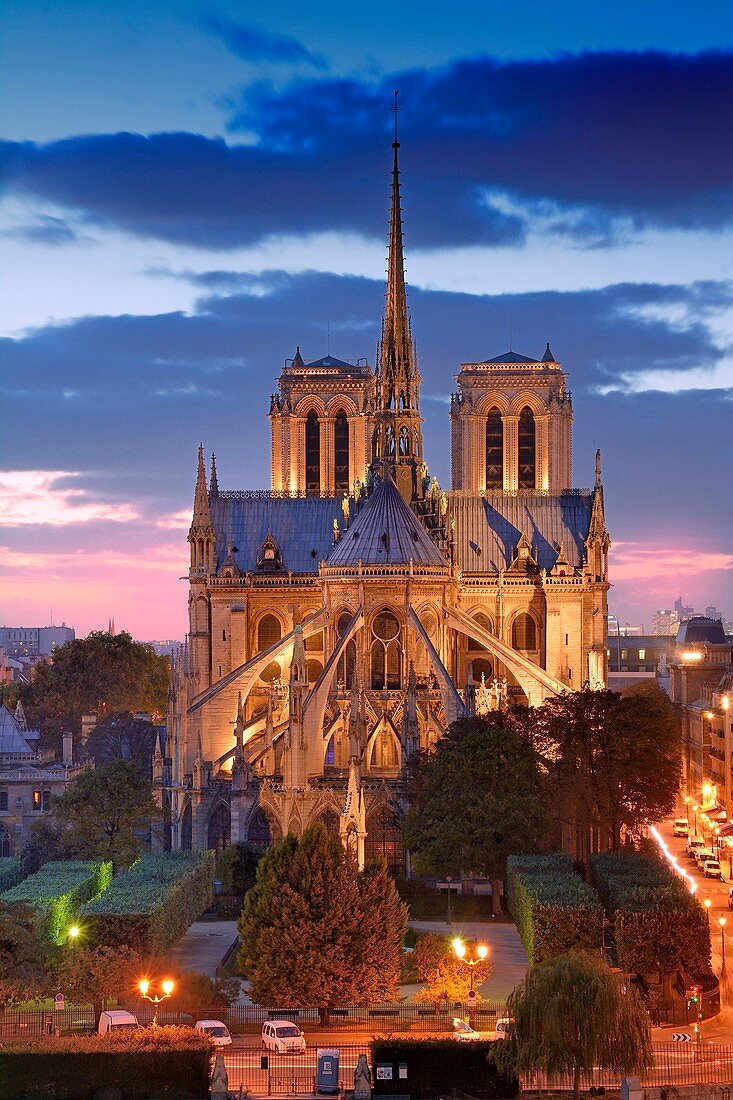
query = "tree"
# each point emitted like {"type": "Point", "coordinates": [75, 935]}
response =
{"type": "Point", "coordinates": [446, 976]}
{"type": "Point", "coordinates": [617, 758]}
{"type": "Point", "coordinates": [107, 812]}
{"type": "Point", "coordinates": [98, 974]}
{"type": "Point", "coordinates": [24, 955]}
{"type": "Point", "coordinates": [476, 799]}
{"type": "Point", "coordinates": [317, 932]}
{"type": "Point", "coordinates": [102, 673]}
{"type": "Point", "coordinates": [236, 867]}
{"type": "Point", "coordinates": [123, 737]}
{"type": "Point", "coordinates": [572, 1013]}
{"type": "Point", "coordinates": [201, 996]}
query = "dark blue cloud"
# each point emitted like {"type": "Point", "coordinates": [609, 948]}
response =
{"type": "Point", "coordinates": [253, 44]}
{"type": "Point", "coordinates": [47, 230]}
{"type": "Point", "coordinates": [642, 139]}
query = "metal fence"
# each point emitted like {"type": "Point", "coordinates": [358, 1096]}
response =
{"type": "Point", "coordinates": [266, 1073]}
{"type": "Point", "coordinates": [687, 1063]}
{"type": "Point", "coordinates": [246, 1019]}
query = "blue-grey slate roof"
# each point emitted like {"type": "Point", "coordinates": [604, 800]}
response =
{"type": "Point", "coordinates": [386, 532]}
{"type": "Point", "coordinates": [298, 525]}
{"type": "Point", "coordinates": [489, 528]}
{"type": "Point", "coordinates": [511, 357]}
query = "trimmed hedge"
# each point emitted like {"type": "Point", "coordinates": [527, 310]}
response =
{"type": "Point", "coordinates": [59, 889]}
{"type": "Point", "coordinates": [553, 908]}
{"type": "Point", "coordinates": [170, 1061]}
{"type": "Point", "coordinates": [437, 1065]}
{"type": "Point", "coordinates": [11, 873]}
{"type": "Point", "coordinates": [150, 906]}
{"type": "Point", "coordinates": [658, 924]}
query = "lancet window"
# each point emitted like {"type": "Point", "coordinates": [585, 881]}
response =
{"type": "Point", "coordinates": [494, 450]}
{"type": "Point", "coordinates": [341, 452]}
{"type": "Point", "coordinates": [312, 454]}
{"type": "Point", "coordinates": [386, 653]}
{"type": "Point", "coordinates": [527, 449]}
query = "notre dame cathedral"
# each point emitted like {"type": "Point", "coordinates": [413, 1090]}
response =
{"type": "Point", "coordinates": [340, 620]}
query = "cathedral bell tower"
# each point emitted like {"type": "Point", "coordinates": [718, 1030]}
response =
{"type": "Point", "coordinates": [397, 447]}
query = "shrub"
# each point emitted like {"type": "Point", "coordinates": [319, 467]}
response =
{"type": "Point", "coordinates": [171, 1062]}
{"type": "Point", "coordinates": [59, 889]}
{"type": "Point", "coordinates": [436, 1065]}
{"type": "Point", "coordinates": [150, 906]}
{"type": "Point", "coordinates": [554, 909]}
{"type": "Point", "coordinates": [11, 873]}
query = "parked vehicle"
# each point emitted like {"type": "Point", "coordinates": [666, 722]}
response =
{"type": "Point", "coordinates": [701, 855]}
{"type": "Point", "coordinates": [216, 1030]}
{"type": "Point", "coordinates": [283, 1036]}
{"type": "Point", "coordinates": [463, 1032]}
{"type": "Point", "coordinates": [692, 844]}
{"type": "Point", "coordinates": [711, 869]}
{"type": "Point", "coordinates": [681, 827]}
{"type": "Point", "coordinates": [115, 1019]}
{"type": "Point", "coordinates": [730, 898]}
{"type": "Point", "coordinates": [503, 1027]}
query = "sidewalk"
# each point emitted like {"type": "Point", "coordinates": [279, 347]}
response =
{"type": "Point", "coordinates": [203, 947]}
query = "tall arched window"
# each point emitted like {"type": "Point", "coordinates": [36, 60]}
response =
{"type": "Point", "coordinates": [312, 454]}
{"type": "Point", "coordinates": [269, 631]}
{"type": "Point", "coordinates": [494, 450]}
{"type": "Point", "coordinates": [220, 828]}
{"type": "Point", "coordinates": [386, 653]}
{"type": "Point", "coordinates": [524, 632]}
{"type": "Point", "coordinates": [341, 453]}
{"type": "Point", "coordinates": [347, 661]}
{"type": "Point", "coordinates": [527, 449]}
{"type": "Point", "coordinates": [384, 840]}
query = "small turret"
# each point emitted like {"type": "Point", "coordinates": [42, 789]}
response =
{"type": "Point", "coordinates": [201, 534]}
{"type": "Point", "coordinates": [598, 542]}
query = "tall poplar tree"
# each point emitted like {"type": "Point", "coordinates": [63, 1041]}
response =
{"type": "Point", "coordinates": [315, 932]}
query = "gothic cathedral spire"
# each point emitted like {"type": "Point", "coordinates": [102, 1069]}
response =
{"type": "Point", "coordinates": [397, 438]}
{"type": "Point", "coordinates": [201, 534]}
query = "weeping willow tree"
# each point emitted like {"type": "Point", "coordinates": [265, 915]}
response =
{"type": "Point", "coordinates": [571, 1014]}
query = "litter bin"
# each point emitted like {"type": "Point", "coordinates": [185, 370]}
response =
{"type": "Point", "coordinates": [327, 1072]}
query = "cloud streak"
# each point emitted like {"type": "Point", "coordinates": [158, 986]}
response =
{"type": "Point", "coordinates": [252, 44]}
{"type": "Point", "coordinates": [33, 497]}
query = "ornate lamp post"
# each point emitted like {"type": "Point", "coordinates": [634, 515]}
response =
{"type": "Point", "coordinates": [695, 809]}
{"type": "Point", "coordinates": [707, 903]}
{"type": "Point", "coordinates": [167, 987]}
{"type": "Point", "coordinates": [722, 922]}
{"type": "Point", "coordinates": [461, 952]}
{"type": "Point", "coordinates": [687, 809]}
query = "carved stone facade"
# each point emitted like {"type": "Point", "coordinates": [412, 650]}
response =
{"type": "Point", "coordinates": [340, 621]}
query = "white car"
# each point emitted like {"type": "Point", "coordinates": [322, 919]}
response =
{"type": "Point", "coordinates": [681, 827]}
{"type": "Point", "coordinates": [115, 1019]}
{"type": "Point", "coordinates": [711, 869]}
{"type": "Point", "coordinates": [216, 1030]}
{"type": "Point", "coordinates": [503, 1027]}
{"type": "Point", "coordinates": [464, 1033]}
{"type": "Point", "coordinates": [283, 1036]}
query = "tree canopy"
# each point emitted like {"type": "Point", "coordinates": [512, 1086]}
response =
{"type": "Point", "coordinates": [23, 954]}
{"type": "Point", "coordinates": [102, 673]}
{"type": "Point", "coordinates": [107, 812]}
{"type": "Point", "coordinates": [316, 931]}
{"type": "Point", "coordinates": [446, 976]}
{"type": "Point", "coordinates": [98, 974]}
{"type": "Point", "coordinates": [476, 799]}
{"type": "Point", "coordinates": [572, 1013]}
{"type": "Point", "coordinates": [616, 758]}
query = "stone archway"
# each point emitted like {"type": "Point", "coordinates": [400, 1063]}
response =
{"type": "Point", "coordinates": [187, 829]}
{"type": "Point", "coordinates": [219, 832]}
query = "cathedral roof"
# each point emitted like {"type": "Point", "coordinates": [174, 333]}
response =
{"type": "Point", "coordinates": [330, 361]}
{"type": "Point", "coordinates": [301, 527]}
{"type": "Point", "coordinates": [12, 739]}
{"type": "Point", "coordinates": [488, 529]}
{"type": "Point", "coordinates": [386, 532]}
{"type": "Point", "coordinates": [511, 357]}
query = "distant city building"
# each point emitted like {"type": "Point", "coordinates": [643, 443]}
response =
{"type": "Point", "coordinates": [164, 648]}
{"type": "Point", "coordinates": [700, 661]}
{"type": "Point", "coordinates": [34, 641]}
{"type": "Point", "coordinates": [638, 652]}
{"type": "Point", "coordinates": [626, 630]}
{"type": "Point", "coordinates": [683, 610]}
{"type": "Point", "coordinates": [27, 784]}
{"type": "Point", "coordinates": [665, 622]}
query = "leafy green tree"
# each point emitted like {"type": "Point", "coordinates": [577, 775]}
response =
{"type": "Point", "coordinates": [314, 931]}
{"type": "Point", "coordinates": [201, 996]}
{"type": "Point", "coordinates": [107, 812]}
{"type": "Point", "coordinates": [572, 1013]}
{"type": "Point", "coordinates": [102, 673]}
{"type": "Point", "coordinates": [476, 799]}
{"type": "Point", "coordinates": [24, 955]}
{"type": "Point", "coordinates": [122, 737]}
{"type": "Point", "coordinates": [236, 867]}
{"type": "Point", "coordinates": [617, 759]}
{"type": "Point", "coordinates": [98, 974]}
{"type": "Point", "coordinates": [446, 976]}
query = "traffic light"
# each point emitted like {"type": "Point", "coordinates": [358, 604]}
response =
{"type": "Point", "coordinates": [694, 995]}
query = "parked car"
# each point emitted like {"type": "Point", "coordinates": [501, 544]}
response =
{"type": "Point", "coordinates": [730, 898]}
{"type": "Point", "coordinates": [692, 844]}
{"type": "Point", "coordinates": [216, 1030]}
{"type": "Point", "coordinates": [703, 854]}
{"type": "Point", "coordinates": [114, 1019]}
{"type": "Point", "coordinates": [711, 869]}
{"type": "Point", "coordinates": [463, 1032]}
{"type": "Point", "coordinates": [681, 827]}
{"type": "Point", "coordinates": [283, 1036]}
{"type": "Point", "coordinates": [503, 1027]}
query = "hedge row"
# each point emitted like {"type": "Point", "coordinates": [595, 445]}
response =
{"type": "Point", "coordinates": [11, 873]}
{"type": "Point", "coordinates": [59, 889]}
{"type": "Point", "coordinates": [553, 908]}
{"type": "Point", "coordinates": [171, 1062]}
{"type": "Point", "coordinates": [658, 924]}
{"type": "Point", "coordinates": [150, 906]}
{"type": "Point", "coordinates": [432, 1067]}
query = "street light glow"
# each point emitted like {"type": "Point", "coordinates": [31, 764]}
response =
{"type": "Point", "coordinates": [144, 987]}
{"type": "Point", "coordinates": [692, 885]}
{"type": "Point", "coordinates": [722, 922]}
{"type": "Point", "coordinates": [482, 950]}
{"type": "Point", "coordinates": [74, 931]}
{"type": "Point", "coordinates": [168, 987]}
{"type": "Point", "coordinates": [459, 947]}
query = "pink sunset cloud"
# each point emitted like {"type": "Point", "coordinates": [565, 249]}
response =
{"type": "Point", "coordinates": [35, 497]}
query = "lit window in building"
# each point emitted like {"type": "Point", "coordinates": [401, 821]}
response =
{"type": "Point", "coordinates": [642, 654]}
{"type": "Point", "coordinates": [37, 800]}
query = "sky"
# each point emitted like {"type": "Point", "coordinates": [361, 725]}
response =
{"type": "Point", "coordinates": [191, 189]}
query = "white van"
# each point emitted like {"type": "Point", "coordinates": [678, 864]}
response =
{"type": "Point", "coordinates": [216, 1030]}
{"type": "Point", "coordinates": [681, 827]}
{"type": "Point", "coordinates": [116, 1020]}
{"type": "Point", "coordinates": [692, 843]}
{"type": "Point", "coordinates": [283, 1036]}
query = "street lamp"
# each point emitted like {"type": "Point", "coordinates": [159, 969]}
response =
{"type": "Point", "coordinates": [462, 953]}
{"type": "Point", "coordinates": [167, 987]}
{"type": "Point", "coordinates": [722, 922]}
{"type": "Point", "coordinates": [688, 800]}
{"type": "Point", "coordinates": [707, 903]}
{"type": "Point", "coordinates": [695, 809]}
{"type": "Point", "coordinates": [74, 933]}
